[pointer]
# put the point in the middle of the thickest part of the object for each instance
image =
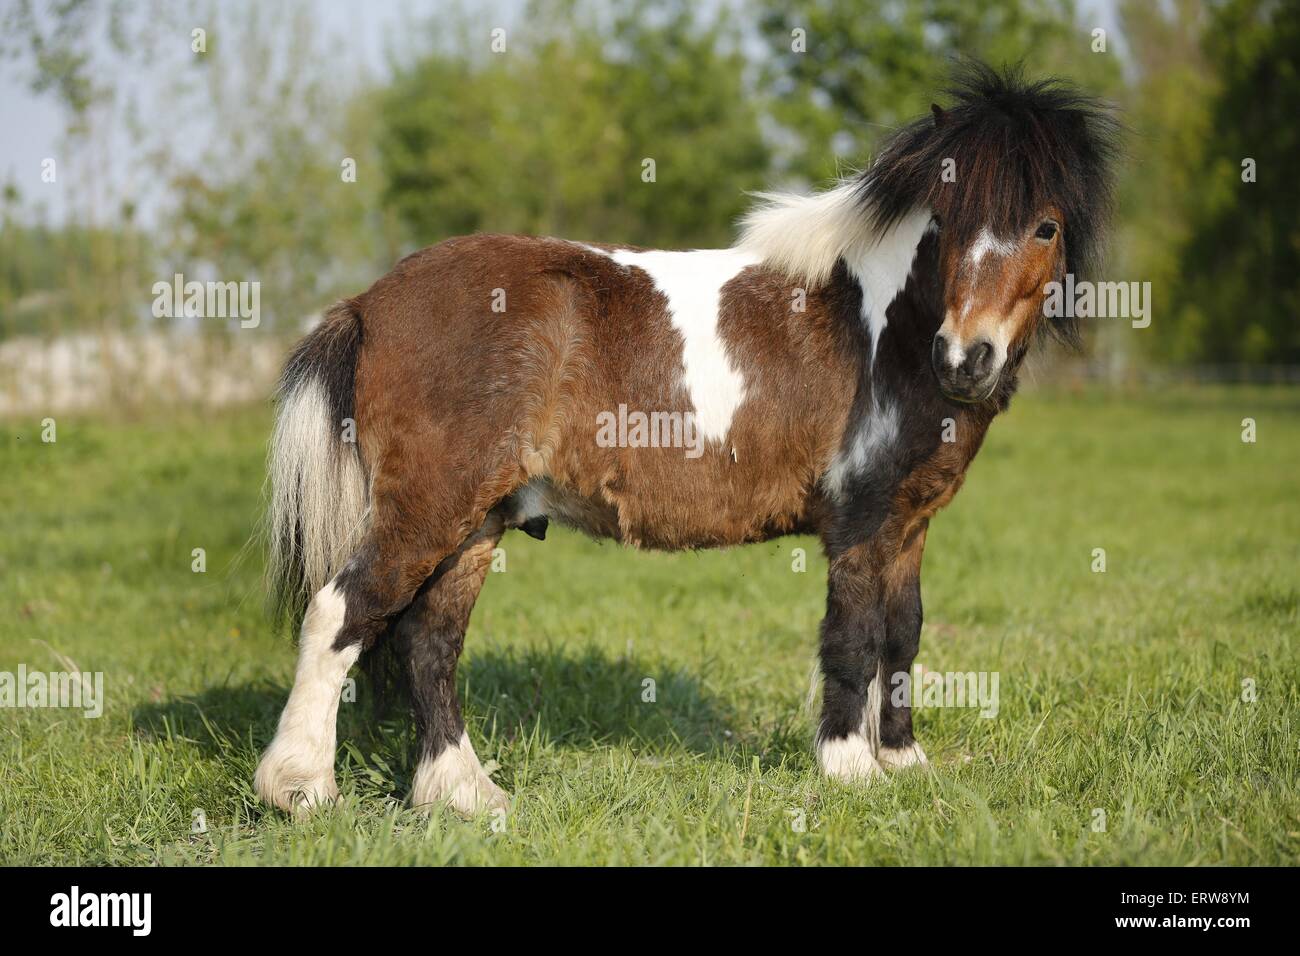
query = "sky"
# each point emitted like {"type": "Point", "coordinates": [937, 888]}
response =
{"type": "Point", "coordinates": [33, 123]}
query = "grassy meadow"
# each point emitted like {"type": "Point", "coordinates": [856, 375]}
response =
{"type": "Point", "coordinates": [1147, 715]}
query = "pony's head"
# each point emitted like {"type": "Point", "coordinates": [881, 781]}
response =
{"type": "Point", "coordinates": [1017, 176]}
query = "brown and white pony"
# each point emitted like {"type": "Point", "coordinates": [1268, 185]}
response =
{"type": "Point", "coordinates": [838, 368]}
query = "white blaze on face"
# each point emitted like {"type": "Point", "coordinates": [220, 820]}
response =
{"type": "Point", "coordinates": [692, 283]}
{"type": "Point", "coordinates": [985, 243]}
{"type": "Point", "coordinates": [993, 328]}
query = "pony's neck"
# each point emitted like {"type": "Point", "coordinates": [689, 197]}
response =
{"type": "Point", "coordinates": [886, 266]}
{"type": "Point", "coordinates": [805, 237]}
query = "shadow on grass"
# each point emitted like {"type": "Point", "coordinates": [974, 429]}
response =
{"type": "Point", "coordinates": [580, 697]}
{"type": "Point", "coordinates": [570, 697]}
{"type": "Point", "coordinates": [215, 719]}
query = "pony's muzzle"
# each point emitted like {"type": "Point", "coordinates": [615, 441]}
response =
{"type": "Point", "coordinates": [965, 373]}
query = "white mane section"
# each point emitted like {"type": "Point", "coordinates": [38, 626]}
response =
{"type": "Point", "coordinates": [803, 236]}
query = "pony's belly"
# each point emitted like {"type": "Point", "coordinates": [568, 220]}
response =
{"type": "Point", "coordinates": [540, 498]}
{"type": "Point", "coordinates": [662, 517]}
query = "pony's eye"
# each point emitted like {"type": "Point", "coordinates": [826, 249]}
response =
{"type": "Point", "coordinates": [1046, 231]}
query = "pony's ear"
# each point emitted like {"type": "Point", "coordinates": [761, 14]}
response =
{"type": "Point", "coordinates": [939, 114]}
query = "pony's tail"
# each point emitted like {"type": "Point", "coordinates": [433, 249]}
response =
{"type": "Point", "coordinates": [317, 507]}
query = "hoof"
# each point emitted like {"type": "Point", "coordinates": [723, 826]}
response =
{"type": "Point", "coordinates": [284, 783]}
{"type": "Point", "coordinates": [455, 778]}
{"type": "Point", "coordinates": [849, 760]}
{"type": "Point", "coordinates": [899, 758]}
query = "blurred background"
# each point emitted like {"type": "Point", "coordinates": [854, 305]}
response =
{"type": "Point", "coordinates": [214, 140]}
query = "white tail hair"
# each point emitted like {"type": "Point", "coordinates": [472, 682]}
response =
{"type": "Point", "coordinates": [318, 504]}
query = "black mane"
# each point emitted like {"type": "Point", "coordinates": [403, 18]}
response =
{"type": "Point", "coordinates": [1019, 147]}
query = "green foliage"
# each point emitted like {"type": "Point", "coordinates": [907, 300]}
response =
{"type": "Point", "coordinates": [863, 69]}
{"type": "Point", "coordinates": [1167, 108]}
{"type": "Point", "coordinates": [274, 204]}
{"type": "Point", "coordinates": [1238, 288]}
{"type": "Point", "coordinates": [71, 278]}
{"type": "Point", "coordinates": [551, 136]}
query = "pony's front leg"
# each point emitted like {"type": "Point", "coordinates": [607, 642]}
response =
{"type": "Point", "coordinates": [902, 586]}
{"type": "Point", "coordinates": [344, 618]}
{"type": "Point", "coordinates": [852, 648]}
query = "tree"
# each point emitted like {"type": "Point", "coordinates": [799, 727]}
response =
{"type": "Point", "coordinates": [841, 75]}
{"type": "Point", "coordinates": [1238, 298]}
{"type": "Point", "coordinates": [625, 123]}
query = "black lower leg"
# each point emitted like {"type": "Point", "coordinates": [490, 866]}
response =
{"type": "Point", "coordinates": [429, 641]}
{"type": "Point", "coordinates": [852, 636]}
{"type": "Point", "coordinates": [430, 635]}
{"type": "Point", "coordinates": [903, 630]}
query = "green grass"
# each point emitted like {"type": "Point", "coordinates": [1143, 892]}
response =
{"type": "Point", "coordinates": [1120, 692]}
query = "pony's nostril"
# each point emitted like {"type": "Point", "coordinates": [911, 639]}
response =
{"type": "Point", "coordinates": [939, 353]}
{"type": "Point", "coordinates": [980, 359]}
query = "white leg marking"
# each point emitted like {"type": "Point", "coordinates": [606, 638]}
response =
{"type": "Point", "coordinates": [456, 777]}
{"type": "Point", "coordinates": [853, 758]}
{"type": "Point", "coordinates": [848, 759]}
{"type": "Point", "coordinates": [897, 758]}
{"type": "Point", "coordinates": [297, 770]}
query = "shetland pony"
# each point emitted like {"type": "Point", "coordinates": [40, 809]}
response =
{"type": "Point", "coordinates": [840, 364]}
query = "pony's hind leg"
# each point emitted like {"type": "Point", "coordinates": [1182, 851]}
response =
{"type": "Point", "coordinates": [297, 770]}
{"type": "Point", "coordinates": [430, 635]}
{"type": "Point", "coordinates": [344, 619]}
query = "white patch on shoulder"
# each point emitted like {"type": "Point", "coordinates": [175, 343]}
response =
{"type": "Point", "coordinates": [692, 283]}
{"type": "Point", "coordinates": [804, 236]}
{"type": "Point", "coordinates": [882, 267]}
{"type": "Point", "coordinates": [848, 759]}
{"type": "Point", "coordinates": [874, 440]}
{"type": "Point", "coordinates": [457, 778]}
